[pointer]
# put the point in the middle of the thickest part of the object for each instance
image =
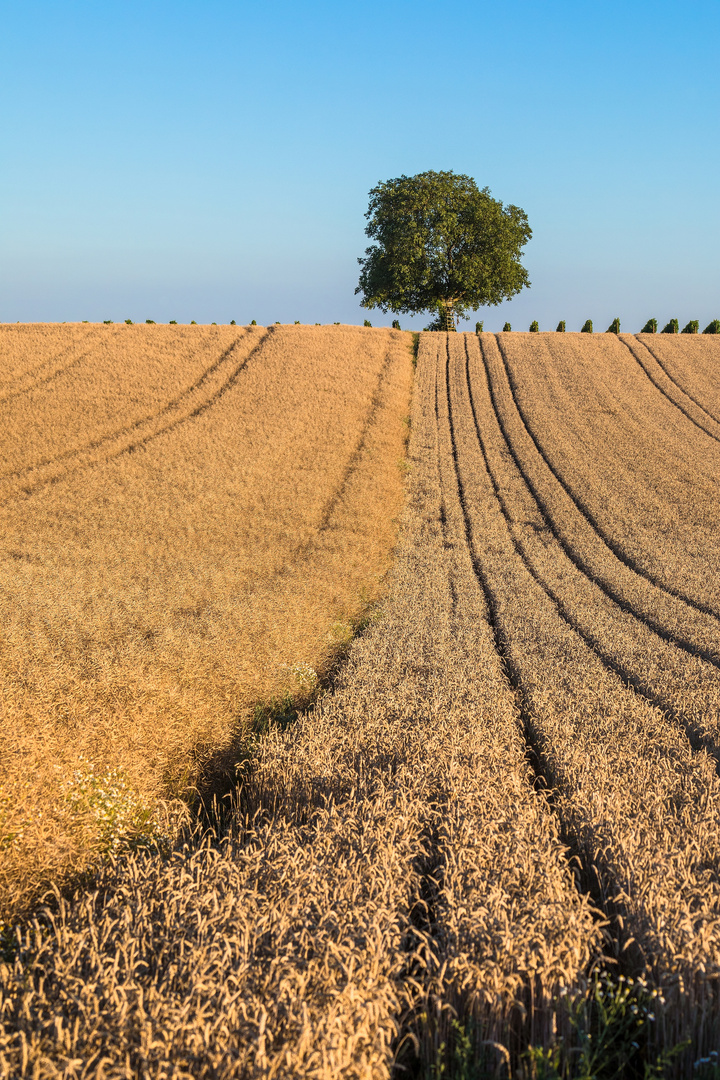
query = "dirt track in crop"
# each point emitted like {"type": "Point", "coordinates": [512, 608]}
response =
{"type": "Point", "coordinates": [530, 731]}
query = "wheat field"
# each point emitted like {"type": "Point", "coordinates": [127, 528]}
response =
{"type": "Point", "coordinates": [192, 520]}
{"type": "Point", "coordinates": [512, 786]}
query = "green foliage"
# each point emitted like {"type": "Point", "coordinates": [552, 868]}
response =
{"type": "Point", "coordinates": [693, 327]}
{"type": "Point", "coordinates": [673, 327]}
{"type": "Point", "coordinates": [442, 245]}
{"type": "Point", "coordinates": [479, 327]}
{"type": "Point", "coordinates": [254, 322]}
{"type": "Point", "coordinates": [150, 322]}
{"type": "Point", "coordinates": [367, 323]}
{"type": "Point", "coordinates": [86, 321]}
{"type": "Point", "coordinates": [193, 323]}
{"type": "Point", "coordinates": [173, 322]}
{"type": "Point", "coordinates": [117, 817]}
{"type": "Point", "coordinates": [650, 327]}
{"type": "Point", "coordinates": [297, 322]}
{"type": "Point", "coordinates": [396, 324]}
{"type": "Point", "coordinates": [560, 329]}
{"type": "Point", "coordinates": [713, 327]}
{"type": "Point", "coordinates": [233, 323]}
{"type": "Point", "coordinates": [587, 327]}
{"type": "Point", "coordinates": [108, 322]}
{"type": "Point", "coordinates": [534, 328]}
{"type": "Point", "coordinates": [128, 322]}
{"type": "Point", "coordinates": [507, 327]}
{"type": "Point", "coordinates": [611, 1037]}
{"type": "Point", "coordinates": [614, 327]}
{"type": "Point", "coordinates": [415, 346]}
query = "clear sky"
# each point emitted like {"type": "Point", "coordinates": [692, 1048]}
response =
{"type": "Point", "coordinates": [212, 160]}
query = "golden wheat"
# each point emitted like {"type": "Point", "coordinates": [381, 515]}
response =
{"type": "Point", "coordinates": [204, 544]}
{"type": "Point", "coordinates": [392, 867]}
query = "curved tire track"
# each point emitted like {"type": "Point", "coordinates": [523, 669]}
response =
{"type": "Point", "coordinates": [133, 437]}
{"type": "Point", "coordinates": [592, 520]}
{"type": "Point", "coordinates": [636, 351]}
{"type": "Point", "coordinates": [681, 388]}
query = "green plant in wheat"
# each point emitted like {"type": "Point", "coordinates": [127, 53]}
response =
{"type": "Point", "coordinates": [367, 322]}
{"type": "Point", "coordinates": [507, 327]}
{"type": "Point", "coordinates": [560, 328]}
{"type": "Point", "coordinates": [614, 327]}
{"type": "Point", "coordinates": [587, 327]}
{"type": "Point", "coordinates": [114, 814]}
{"type": "Point", "coordinates": [672, 327]}
{"type": "Point", "coordinates": [479, 327]}
{"type": "Point", "coordinates": [650, 327]}
{"type": "Point", "coordinates": [713, 327]}
{"type": "Point", "coordinates": [396, 324]}
{"type": "Point", "coordinates": [693, 327]}
{"type": "Point", "coordinates": [534, 328]}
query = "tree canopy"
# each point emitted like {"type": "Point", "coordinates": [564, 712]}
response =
{"type": "Point", "coordinates": [443, 245]}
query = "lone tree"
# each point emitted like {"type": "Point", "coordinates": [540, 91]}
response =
{"type": "Point", "coordinates": [441, 245]}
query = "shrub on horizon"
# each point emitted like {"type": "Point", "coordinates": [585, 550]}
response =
{"type": "Point", "coordinates": [693, 327]}
{"type": "Point", "coordinates": [396, 324]}
{"type": "Point", "coordinates": [107, 322]}
{"type": "Point", "coordinates": [560, 329]}
{"type": "Point", "coordinates": [614, 327]}
{"type": "Point", "coordinates": [534, 328]}
{"type": "Point", "coordinates": [479, 327]}
{"type": "Point", "coordinates": [254, 322]}
{"type": "Point", "coordinates": [150, 322]}
{"type": "Point", "coordinates": [297, 322]}
{"type": "Point", "coordinates": [193, 323]}
{"type": "Point", "coordinates": [587, 327]}
{"type": "Point", "coordinates": [507, 327]}
{"type": "Point", "coordinates": [173, 322]}
{"type": "Point", "coordinates": [233, 323]}
{"type": "Point", "coordinates": [713, 327]}
{"type": "Point", "coordinates": [128, 322]}
{"type": "Point", "coordinates": [673, 327]}
{"type": "Point", "coordinates": [650, 327]}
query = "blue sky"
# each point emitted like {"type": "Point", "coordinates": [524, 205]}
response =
{"type": "Point", "coordinates": [212, 160]}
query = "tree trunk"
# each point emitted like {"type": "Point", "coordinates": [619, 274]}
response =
{"type": "Point", "coordinates": [447, 316]}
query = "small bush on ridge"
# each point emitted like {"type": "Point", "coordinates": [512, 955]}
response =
{"type": "Point", "coordinates": [650, 327]}
{"type": "Point", "coordinates": [713, 327]}
{"type": "Point", "coordinates": [507, 326]}
{"type": "Point", "coordinates": [396, 324]}
{"type": "Point", "coordinates": [479, 327]}
{"type": "Point", "coordinates": [587, 327]}
{"type": "Point", "coordinates": [672, 327]}
{"type": "Point", "coordinates": [534, 328]}
{"type": "Point", "coordinates": [560, 328]}
{"type": "Point", "coordinates": [614, 327]}
{"type": "Point", "coordinates": [693, 327]}
{"type": "Point", "coordinates": [367, 323]}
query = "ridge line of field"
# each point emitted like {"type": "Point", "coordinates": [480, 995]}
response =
{"type": "Point", "coordinates": [680, 387]}
{"type": "Point", "coordinates": [25, 490]}
{"type": "Point", "coordinates": [699, 737]}
{"type": "Point", "coordinates": [590, 517]}
{"type": "Point", "coordinates": [684, 643]}
{"type": "Point", "coordinates": [637, 357]}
